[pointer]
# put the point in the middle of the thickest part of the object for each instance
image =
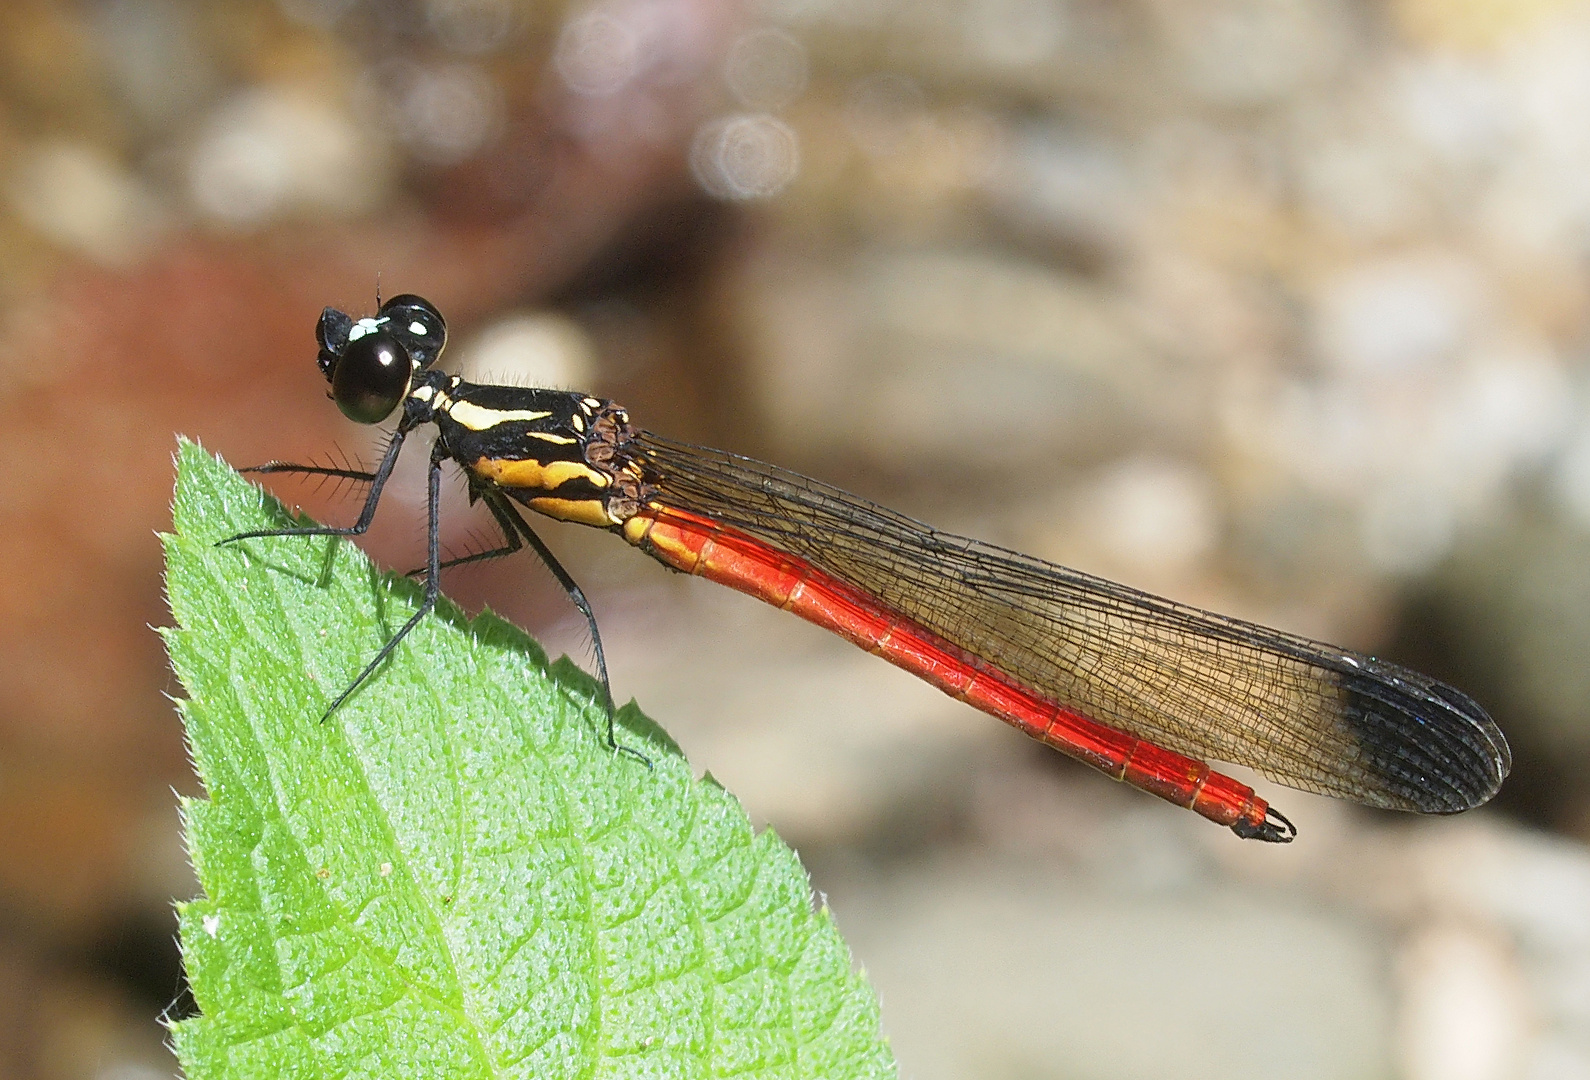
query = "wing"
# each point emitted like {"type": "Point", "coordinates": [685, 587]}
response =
{"type": "Point", "coordinates": [1301, 712]}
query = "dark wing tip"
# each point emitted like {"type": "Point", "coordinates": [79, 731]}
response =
{"type": "Point", "coordinates": [1432, 747]}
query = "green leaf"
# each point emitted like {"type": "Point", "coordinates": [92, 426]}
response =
{"type": "Point", "coordinates": [453, 876]}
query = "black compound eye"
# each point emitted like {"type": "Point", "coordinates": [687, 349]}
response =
{"type": "Point", "coordinates": [371, 377]}
{"type": "Point", "coordinates": [415, 322]}
{"type": "Point", "coordinates": [332, 332]}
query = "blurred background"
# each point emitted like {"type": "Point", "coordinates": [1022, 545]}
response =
{"type": "Point", "coordinates": [1278, 307]}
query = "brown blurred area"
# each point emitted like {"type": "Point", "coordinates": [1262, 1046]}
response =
{"type": "Point", "coordinates": [1274, 306]}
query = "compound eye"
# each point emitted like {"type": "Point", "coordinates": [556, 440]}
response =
{"type": "Point", "coordinates": [371, 378]}
{"type": "Point", "coordinates": [332, 332]}
{"type": "Point", "coordinates": [415, 322]}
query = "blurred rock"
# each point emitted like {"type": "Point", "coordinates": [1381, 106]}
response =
{"type": "Point", "coordinates": [915, 358]}
{"type": "Point", "coordinates": [270, 153]}
{"type": "Point", "coordinates": [1154, 513]}
{"type": "Point", "coordinates": [527, 349]}
{"type": "Point", "coordinates": [441, 113]}
{"type": "Point", "coordinates": [472, 26]}
{"type": "Point", "coordinates": [748, 156]}
{"type": "Point", "coordinates": [1407, 314]}
{"type": "Point", "coordinates": [766, 68]}
{"type": "Point", "coordinates": [1052, 971]}
{"type": "Point", "coordinates": [79, 197]}
{"type": "Point", "coordinates": [1250, 52]}
{"type": "Point", "coordinates": [1471, 23]}
{"type": "Point", "coordinates": [1465, 1012]}
{"type": "Point", "coordinates": [1082, 186]}
{"type": "Point", "coordinates": [1509, 613]}
{"type": "Point", "coordinates": [1107, 928]}
{"type": "Point", "coordinates": [157, 57]}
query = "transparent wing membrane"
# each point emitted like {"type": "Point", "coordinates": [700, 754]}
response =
{"type": "Point", "coordinates": [1301, 712]}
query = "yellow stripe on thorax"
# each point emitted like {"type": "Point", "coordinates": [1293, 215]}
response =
{"type": "Point", "coordinates": [479, 417]}
{"type": "Point", "coordinates": [535, 475]}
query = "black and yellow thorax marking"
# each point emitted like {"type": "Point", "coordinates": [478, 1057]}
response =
{"type": "Point", "coordinates": [551, 450]}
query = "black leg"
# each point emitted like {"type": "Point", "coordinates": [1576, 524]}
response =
{"type": "Point", "coordinates": [513, 526]}
{"type": "Point", "coordinates": [433, 559]}
{"type": "Point", "coordinates": [377, 483]}
{"type": "Point", "coordinates": [310, 470]}
{"type": "Point", "coordinates": [578, 596]}
{"type": "Point", "coordinates": [511, 542]}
